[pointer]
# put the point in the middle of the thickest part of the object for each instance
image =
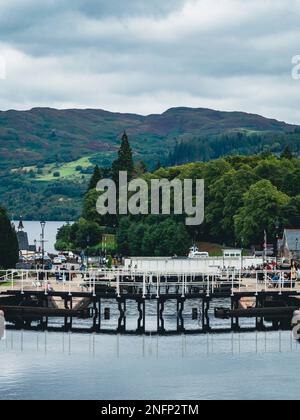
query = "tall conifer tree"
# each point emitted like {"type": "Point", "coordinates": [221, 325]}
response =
{"type": "Point", "coordinates": [287, 153]}
{"type": "Point", "coordinates": [9, 247]}
{"type": "Point", "coordinates": [124, 161]}
{"type": "Point", "coordinates": [97, 175]}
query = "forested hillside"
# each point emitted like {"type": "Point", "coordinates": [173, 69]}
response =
{"type": "Point", "coordinates": [244, 197]}
{"type": "Point", "coordinates": [47, 156]}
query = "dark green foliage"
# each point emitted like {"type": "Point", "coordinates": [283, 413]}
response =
{"type": "Point", "coordinates": [90, 210]}
{"type": "Point", "coordinates": [140, 169]}
{"type": "Point", "coordinates": [124, 161]}
{"type": "Point", "coordinates": [9, 248]}
{"type": "Point", "coordinates": [263, 206]}
{"type": "Point", "coordinates": [244, 195]}
{"type": "Point", "coordinates": [122, 236]}
{"type": "Point", "coordinates": [63, 241]}
{"type": "Point", "coordinates": [146, 238]}
{"type": "Point", "coordinates": [287, 153]}
{"type": "Point", "coordinates": [234, 143]}
{"type": "Point", "coordinates": [57, 200]}
{"type": "Point", "coordinates": [85, 234]}
{"type": "Point", "coordinates": [97, 175]}
{"type": "Point", "coordinates": [79, 236]}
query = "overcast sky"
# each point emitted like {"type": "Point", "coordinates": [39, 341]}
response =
{"type": "Point", "coordinates": [145, 56]}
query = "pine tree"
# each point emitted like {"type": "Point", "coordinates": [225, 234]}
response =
{"type": "Point", "coordinates": [9, 247]}
{"type": "Point", "coordinates": [97, 175]}
{"type": "Point", "coordinates": [124, 161]}
{"type": "Point", "coordinates": [287, 153]}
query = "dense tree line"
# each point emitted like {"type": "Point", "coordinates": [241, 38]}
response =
{"type": "Point", "coordinates": [233, 143]}
{"type": "Point", "coordinates": [145, 236]}
{"type": "Point", "coordinates": [57, 200]}
{"type": "Point", "coordinates": [244, 196]}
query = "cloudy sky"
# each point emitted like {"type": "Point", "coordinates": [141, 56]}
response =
{"type": "Point", "coordinates": [145, 56]}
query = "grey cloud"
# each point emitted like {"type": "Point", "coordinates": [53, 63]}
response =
{"type": "Point", "coordinates": [137, 55]}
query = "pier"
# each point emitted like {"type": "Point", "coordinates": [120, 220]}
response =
{"type": "Point", "coordinates": [29, 298]}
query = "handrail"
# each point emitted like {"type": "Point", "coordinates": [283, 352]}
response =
{"type": "Point", "coordinates": [120, 279]}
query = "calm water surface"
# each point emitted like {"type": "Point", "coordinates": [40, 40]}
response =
{"type": "Point", "coordinates": [69, 366]}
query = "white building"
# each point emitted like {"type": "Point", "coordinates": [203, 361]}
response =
{"type": "Point", "coordinates": [167, 265]}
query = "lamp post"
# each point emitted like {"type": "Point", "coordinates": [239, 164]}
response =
{"type": "Point", "coordinates": [88, 239]}
{"type": "Point", "coordinates": [297, 248]}
{"type": "Point", "coordinates": [43, 225]}
{"type": "Point", "coordinates": [276, 245]}
{"type": "Point", "coordinates": [242, 262]}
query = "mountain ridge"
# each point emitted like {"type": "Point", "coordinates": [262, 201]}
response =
{"type": "Point", "coordinates": [135, 114]}
{"type": "Point", "coordinates": [45, 135]}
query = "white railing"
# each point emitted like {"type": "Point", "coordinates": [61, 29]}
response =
{"type": "Point", "coordinates": [121, 279]}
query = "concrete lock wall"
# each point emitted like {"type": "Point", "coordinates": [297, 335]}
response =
{"type": "Point", "coordinates": [189, 265]}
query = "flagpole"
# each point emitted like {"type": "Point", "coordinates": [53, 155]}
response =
{"type": "Point", "coordinates": [265, 246]}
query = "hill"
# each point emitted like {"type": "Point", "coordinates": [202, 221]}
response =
{"type": "Point", "coordinates": [43, 135]}
{"type": "Point", "coordinates": [47, 155]}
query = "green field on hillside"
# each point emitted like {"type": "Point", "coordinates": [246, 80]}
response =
{"type": "Point", "coordinates": [66, 171]}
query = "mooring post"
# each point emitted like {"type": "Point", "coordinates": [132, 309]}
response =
{"type": "Point", "coordinates": [235, 324]}
{"type": "Point", "coordinates": [118, 286]}
{"type": "Point", "coordinates": [99, 314]}
{"type": "Point", "coordinates": [260, 303]}
{"type": "Point", "coordinates": [160, 316]}
{"type": "Point", "coordinates": [95, 314]}
{"type": "Point", "coordinates": [180, 320]}
{"type": "Point", "coordinates": [205, 314]}
{"type": "Point", "coordinates": [183, 287]}
{"type": "Point", "coordinates": [144, 286]}
{"type": "Point", "coordinates": [122, 317]}
{"type": "Point", "coordinates": [158, 285]}
{"type": "Point", "coordinates": [208, 287]}
{"type": "Point", "coordinates": [142, 317]}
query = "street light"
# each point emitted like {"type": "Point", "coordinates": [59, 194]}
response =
{"type": "Point", "coordinates": [43, 225]}
{"type": "Point", "coordinates": [88, 239]}
{"type": "Point", "coordinates": [277, 244]}
{"type": "Point", "coordinates": [242, 262]}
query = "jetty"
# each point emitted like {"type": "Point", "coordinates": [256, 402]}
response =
{"type": "Point", "coordinates": [269, 297]}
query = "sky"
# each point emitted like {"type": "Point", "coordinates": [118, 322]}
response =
{"type": "Point", "coordinates": [145, 56]}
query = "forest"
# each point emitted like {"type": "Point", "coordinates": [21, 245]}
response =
{"type": "Point", "coordinates": [244, 197]}
{"type": "Point", "coordinates": [48, 155]}
{"type": "Point", "coordinates": [239, 142]}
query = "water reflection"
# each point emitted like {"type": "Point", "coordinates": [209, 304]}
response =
{"type": "Point", "coordinates": [56, 366]}
{"type": "Point", "coordinates": [149, 346]}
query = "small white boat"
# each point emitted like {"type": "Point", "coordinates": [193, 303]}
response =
{"type": "Point", "coordinates": [196, 254]}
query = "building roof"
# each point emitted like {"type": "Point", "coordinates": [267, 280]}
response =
{"type": "Point", "coordinates": [292, 238]}
{"type": "Point", "coordinates": [23, 241]}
